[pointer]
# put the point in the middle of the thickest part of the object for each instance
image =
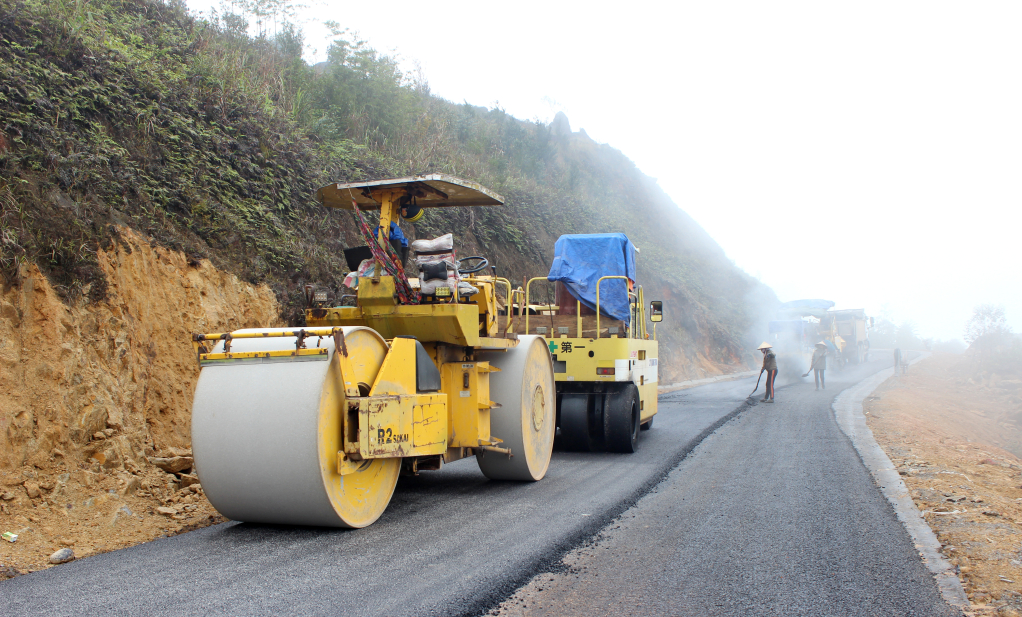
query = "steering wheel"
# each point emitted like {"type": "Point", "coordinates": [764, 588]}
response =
{"type": "Point", "coordinates": [481, 265]}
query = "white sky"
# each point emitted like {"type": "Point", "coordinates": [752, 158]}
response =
{"type": "Point", "coordinates": [869, 153]}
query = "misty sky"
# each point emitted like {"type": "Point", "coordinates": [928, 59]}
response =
{"type": "Point", "coordinates": [869, 153]}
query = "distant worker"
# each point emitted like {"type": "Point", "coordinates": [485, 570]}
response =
{"type": "Point", "coordinates": [818, 365]}
{"type": "Point", "coordinates": [770, 366]}
{"type": "Point", "coordinates": [897, 359]}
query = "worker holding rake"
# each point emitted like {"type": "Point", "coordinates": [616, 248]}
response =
{"type": "Point", "coordinates": [819, 365]}
{"type": "Point", "coordinates": [770, 367]}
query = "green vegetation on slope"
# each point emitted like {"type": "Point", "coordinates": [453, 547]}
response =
{"type": "Point", "coordinates": [213, 143]}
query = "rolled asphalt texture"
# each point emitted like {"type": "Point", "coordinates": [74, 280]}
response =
{"type": "Point", "coordinates": [773, 514]}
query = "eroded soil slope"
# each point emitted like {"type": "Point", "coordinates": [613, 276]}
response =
{"type": "Point", "coordinates": [91, 396]}
{"type": "Point", "coordinates": [954, 438]}
{"type": "Point", "coordinates": [133, 112]}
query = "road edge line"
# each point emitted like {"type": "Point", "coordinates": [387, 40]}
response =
{"type": "Point", "coordinates": [695, 383]}
{"type": "Point", "coordinates": [848, 412]}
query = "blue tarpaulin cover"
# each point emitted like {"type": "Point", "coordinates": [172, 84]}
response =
{"type": "Point", "coordinates": [581, 259]}
{"type": "Point", "coordinates": [395, 234]}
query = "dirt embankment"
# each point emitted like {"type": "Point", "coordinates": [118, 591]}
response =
{"type": "Point", "coordinates": [91, 396]}
{"type": "Point", "coordinates": [955, 438]}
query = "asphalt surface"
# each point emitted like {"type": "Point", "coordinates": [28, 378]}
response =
{"type": "Point", "coordinates": [451, 543]}
{"type": "Point", "coordinates": [773, 514]}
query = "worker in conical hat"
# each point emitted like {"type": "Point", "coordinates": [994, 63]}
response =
{"type": "Point", "coordinates": [818, 365]}
{"type": "Point", "coordinates": [770, 366]}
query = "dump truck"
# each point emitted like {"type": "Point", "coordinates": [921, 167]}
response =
{"type": "Point", "coordinates": [313, 425]}
{"type": "Point", "coordinates": [605, 362]}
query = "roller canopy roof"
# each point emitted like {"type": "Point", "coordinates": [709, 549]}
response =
{"type": "Point", "coordinates": [430, 191]}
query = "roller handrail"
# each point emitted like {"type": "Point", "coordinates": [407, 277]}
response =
{"type": "Point", "coordinates": [486, 278]}
{"type": "Point", "coordinates": [299, 333]}
{"type": "Point", "coordinates": [525, 308]}
{"type": "Point", "coordinates": [507, 300]}
{"type": "Point", "coordinates": [511, 308]}
{"type": "Point", "coordinates": [578, 312]}
{"type": "Point", "coordinates": [642, 306]}
{"type": "Point", "coordinates": [327, 331]}
{"type": "Point", "coordinates": [632, 307]}
{"type": "Point", "coordinates": [600, 280]}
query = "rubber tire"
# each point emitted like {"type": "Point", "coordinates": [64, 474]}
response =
{"type": "Point", "coordinates": [648, 424]}
{"type": "Point", "coordinates": [621, 420]}
{"type": "Point", "coordinates": [527, 418]}
{"type": "Point", "coordinates": [574, 422]}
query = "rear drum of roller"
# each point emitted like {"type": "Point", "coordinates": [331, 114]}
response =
{"type": "Point", "coordinates": [526, 419]}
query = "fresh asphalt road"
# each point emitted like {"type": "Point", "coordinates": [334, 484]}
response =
{"type": "Point", "coordinates": [773, 514]}
{"type": "Point", "coordinates": [454, 543]}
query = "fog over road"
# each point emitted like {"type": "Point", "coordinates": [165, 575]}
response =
{"type": "Point", "coordinates": [775, 510]}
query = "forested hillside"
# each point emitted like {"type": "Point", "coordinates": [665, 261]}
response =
{"type": "Point", "coordinates": [205, 140]}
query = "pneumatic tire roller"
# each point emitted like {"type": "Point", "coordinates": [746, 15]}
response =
{"type": "Point", "coordinates": [606, 363]}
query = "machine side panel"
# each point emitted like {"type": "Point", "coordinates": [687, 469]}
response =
{"type": "Point", "coordinates": [396, 421]}
{"type": "Point", "coordinates": [467, 386]}
{"type": "Point", "coordinates": [455, 324]}
{"type": "Point", "coordinates": [633, 360]}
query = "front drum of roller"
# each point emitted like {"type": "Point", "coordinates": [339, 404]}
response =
{"type": "Point", "coordinates": [265, 436]}
{"type": "Point", "coordinates": [527, 416]}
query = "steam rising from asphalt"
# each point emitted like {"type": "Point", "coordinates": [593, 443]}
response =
{"type": "Point", "coordinates": [761, 303]}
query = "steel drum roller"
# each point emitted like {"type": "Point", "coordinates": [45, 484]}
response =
{"type": "Point", "coordinates": [265, 436]}
{"type": "Point", "coordinates": [526, 420]}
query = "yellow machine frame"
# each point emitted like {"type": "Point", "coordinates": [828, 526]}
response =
{"type": "Point", "coordinates": [633, 357]}
{"type": "Point", "coordinates": [595, 364]}
{"type": "Point", "coordinates": [365, 393]}
{"type": "Point", "coordinates": [389, 418]}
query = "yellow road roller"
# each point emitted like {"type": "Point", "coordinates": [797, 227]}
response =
{"type": "Point", "coordinates": [605, 359]}
{"type": "Point", "coordinates": [313, 425]}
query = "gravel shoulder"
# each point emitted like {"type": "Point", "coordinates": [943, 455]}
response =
{"type": "Point", "coordinates": [954, 437]}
